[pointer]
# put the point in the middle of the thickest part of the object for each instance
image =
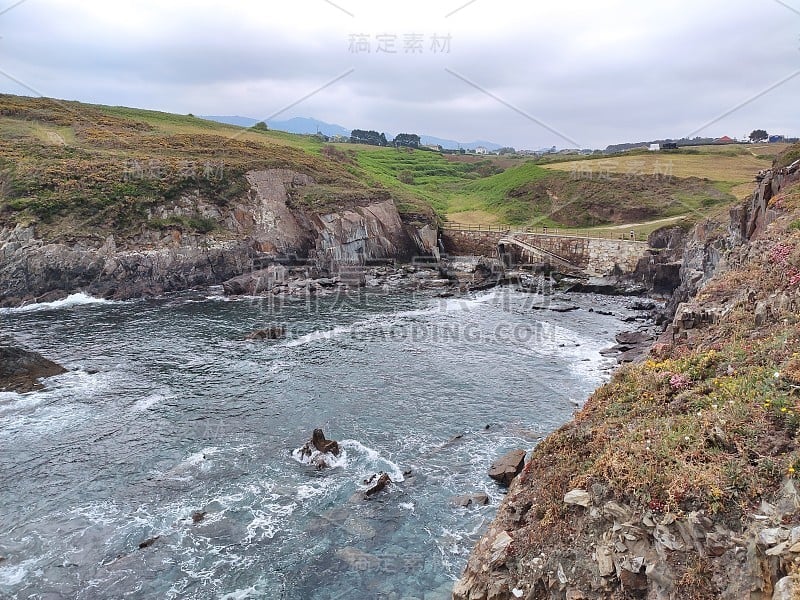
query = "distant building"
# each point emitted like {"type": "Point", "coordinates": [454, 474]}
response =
{"type": "Point", "coordinates": [725, 140]}
{"type": "Point", "coordinates": [774, 139]}
{"type": "Point", "coordinates": [655, 147]}
{"type": "Point", "coordinates": [481, 150]}
{"type": "Point", "coordinates": [340, 139]}
{"type": "Point", "coordinates": [669, 146]}
{"type": "Point", "coordinates": [434, 147]}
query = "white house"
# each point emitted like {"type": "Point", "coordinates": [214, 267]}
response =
{"type": "Point", "coordinates": [655, 147]}
{"type": "Point", "coordinates": [481, 150]}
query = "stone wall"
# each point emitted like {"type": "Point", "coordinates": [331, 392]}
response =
{"type": "Point", "coordinates": [595, 256]}
{"type": "Point", "coordinates": [471, 243]}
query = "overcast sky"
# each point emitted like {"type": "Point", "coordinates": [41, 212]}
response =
{"type": "Point", "coordinates": [570, 73]}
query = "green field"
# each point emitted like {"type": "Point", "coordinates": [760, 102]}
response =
{"type": "Point", "coordinates": [66, 160]}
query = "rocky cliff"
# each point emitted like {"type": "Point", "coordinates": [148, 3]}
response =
{"type": "Point", "coordinates": [264, 225]}
{"type": "Point", "coordinates": [680, 478]}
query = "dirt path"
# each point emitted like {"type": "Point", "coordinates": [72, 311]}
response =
{"type": "Point", "coordinates": [656, 222]}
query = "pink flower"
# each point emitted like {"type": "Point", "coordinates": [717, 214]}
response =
{"type": "Point", "coordinates": [679, 381]}
{"type": "Point", "coordinates": [779, 254]}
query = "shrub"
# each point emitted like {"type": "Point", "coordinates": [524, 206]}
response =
{"type": "Point", "coordinates": [406, 176]}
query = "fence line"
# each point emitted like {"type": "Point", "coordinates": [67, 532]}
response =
{"type": "Point", "coordinates": [560, 231]}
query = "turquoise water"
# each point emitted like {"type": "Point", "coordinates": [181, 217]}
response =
{"type": "Point", "coordinates": [167, 411]}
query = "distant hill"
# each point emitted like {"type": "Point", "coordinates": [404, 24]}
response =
{"type": "Point", "coordinates": [454, 145]}
{"type": "Point", "coordinates": [299, 125]}
{"type": "Point", "coordinates": [309, 125]}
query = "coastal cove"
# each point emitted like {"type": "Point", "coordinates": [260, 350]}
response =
{"type": "Point", "coordinates": [163, 462]}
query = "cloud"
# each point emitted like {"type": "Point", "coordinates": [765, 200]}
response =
{"type": "Point", "coordinates": [599, 72]}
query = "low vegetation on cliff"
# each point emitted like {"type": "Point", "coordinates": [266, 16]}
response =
{"type": "Point", "coordinates": [680, 478]}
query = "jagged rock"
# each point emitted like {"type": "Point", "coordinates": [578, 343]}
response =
{"type": "Point", "coordinates": [380, 485]}
{"type": "Point", "coordinates": [20, 370]}
{"type": "Point", "coordinates": [274, 332]}
{"type": "Point", "coordinates": [324, 447]}
{"type": "Point", "coordinates": [633, 338]}
{"type": "Point", "coordinates": [467, 500]}
{"type": "Point", "coordinates": [499, 547]}
{"type": "Point", "coordinates": [578, 497]}
{"type": "Point", "coordinates": [784, 589]}
{"type": "Point", "coordinates": [772, 536]}
{"type": "Point", "coordinates": [149, 542]}
{"type": "Point", "coordinates": [633, 581]}
{"type": "Point", "coordinates": [616, 511]}
{"type": "Point", "coordinates": [761, 313]}
{"type": "Point", "coordinates": [507, 467]}
{"type": "Point", "coordinates": [605, 562]}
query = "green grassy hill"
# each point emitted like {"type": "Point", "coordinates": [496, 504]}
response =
{"type": "Point", "coordinates": [106, 166]}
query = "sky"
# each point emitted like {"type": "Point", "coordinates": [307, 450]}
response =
{"type": "Point", "coordinates": [571, 73]}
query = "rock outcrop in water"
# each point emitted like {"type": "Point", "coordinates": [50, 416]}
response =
{"type": "Point", "coordinates": [274, 332]}
{"type": "Point", "coordinates": [505, 468]}
{"type": "Point", "coordinates": [21, 370]}
{"type": "Point", "coordinates": [383, 480]}
{"type": "Point", "coordinates": [259, 229]}
{"type": "Point", "coordinates": [320, 451]}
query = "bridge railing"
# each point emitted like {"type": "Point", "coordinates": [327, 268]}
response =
{"type": "Point", "coordinates": [607, 234]}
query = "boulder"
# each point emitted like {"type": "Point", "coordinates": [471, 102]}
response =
{"type": "Point", "coordinates": [380, 485]}
{"type": "Point", "coordinates": [784, 589]}
{"type": "Point", "coordinates": [633, 338]}
{"type": "Point", "coordinates": [320, 444]}
{"type": "Point", "coordinates": [273, 332]}
{"type": "Point", "coordinates": [578, 497]}
{"type": "Point", "coordinates": [507, 467]}
{"type": "Point", "coordinates": [20, 370]}
{"type": "Point", "coordinates": [468, 500]}
{"type": "Point", "coordinates": [148, 542]}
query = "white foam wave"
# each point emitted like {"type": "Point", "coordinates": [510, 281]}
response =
{"type": "Point", "coordinates": [77, 299]}
{"type": "Point", "coordinates": [373, 460]}
{"type": "Point", "coordinates": [305, 491]}
{"type": "Point", "coordinates": [386, 321]}
{"type": "Point", "coordinates": [243, 594]}
{"type": "Point", "coordinates": [316, 336]}
{"type": "Point", "coordinates": [15, 574]}
{"type": "Point", "coordinates": [11, 401]}
{"type": "Point", "coordinates": [316, 457]}
{"type": "Point", "coordinates": [144, 404]}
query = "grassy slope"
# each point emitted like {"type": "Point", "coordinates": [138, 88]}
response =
{"type": "Point", "coordinates": [77, 169]}
{"type": "Point", "coordinates": [66, 159]}
{"type": "Point", "coordinates": [628, 188]}
{"type": "Point", "coordinates": [710, 424]}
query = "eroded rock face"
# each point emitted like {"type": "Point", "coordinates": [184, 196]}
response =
{"type": "Point", "coordinates": [254, 231]}
{"type": "Point", "coordinates": [20, 370]}
{"type": "Point", "coordinates": [611, 548]}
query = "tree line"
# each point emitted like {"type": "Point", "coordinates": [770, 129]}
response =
{"type": "Point", "coordinates": [373, 138]}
